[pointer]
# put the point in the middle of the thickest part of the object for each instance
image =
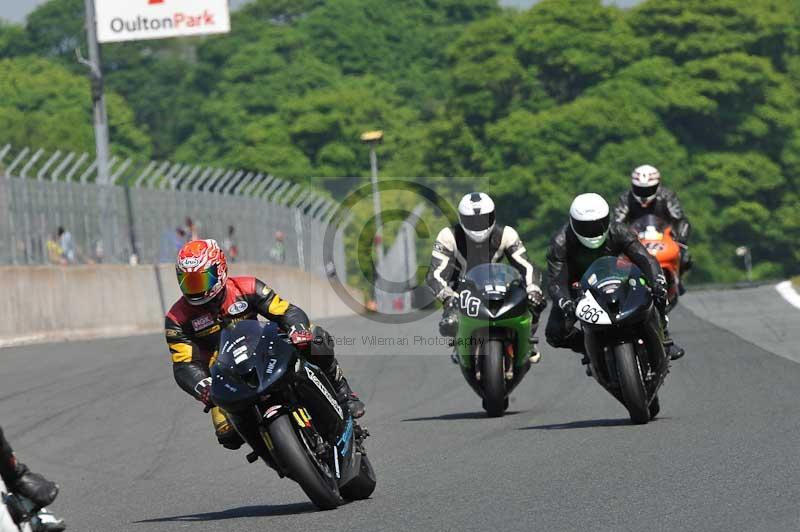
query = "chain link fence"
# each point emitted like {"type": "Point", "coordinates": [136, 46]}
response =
{"type": "Point", "coordinates": [53, 210]}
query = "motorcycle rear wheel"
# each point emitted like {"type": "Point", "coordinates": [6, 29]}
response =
{"type": "Point", "coordinates": [492, 378]}
{"type": "Point", "coordinates": [294, 457]}
{"type": "Point", "coordinates": [632, 383]}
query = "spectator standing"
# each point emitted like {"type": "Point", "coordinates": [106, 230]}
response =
{"type": "Point", "coordinates": [278, 251]}
{"type": "Point", "coordinates": [67, 245]}
{"type": "Point", "coordinates": [192, 230]}
{"type": "Point", "coordinates": [55, 255]}
{"type": "Point", "coordinates": [172, 240]}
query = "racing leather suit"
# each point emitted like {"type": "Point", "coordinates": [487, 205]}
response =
{"type": "Point", "coordinates": [454, 254]}
{"type": "Point", "coordinates": [667, 207]}
{"type": "Point", "coordinates": [193, 332]}
{"type": "Point", "coordinates": [568, 260]}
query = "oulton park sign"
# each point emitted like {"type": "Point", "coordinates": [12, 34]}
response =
{"type": "Point", "coordinates": [133, 20]}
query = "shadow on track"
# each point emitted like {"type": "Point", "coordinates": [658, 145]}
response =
{"type": "Point", "coordinates": [585, 424]}
{"type": "Point", "coordinates": [457, 416]}
{"type": "Point", "coordinates": [238, 513]}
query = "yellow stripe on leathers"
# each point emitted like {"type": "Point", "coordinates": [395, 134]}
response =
{"type": "Point", "coordinates": [220, 422]}
{"type": "Point", "coordinates": [218, 417]}
{"type": "Point", "coordinates": [181, 353]}
{"type": "Point", "coordinates": [278, 306]}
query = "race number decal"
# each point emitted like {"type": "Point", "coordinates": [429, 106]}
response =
{"type": "Point", "coordinates": [470, 304]}
{"type": "Point", "coordinates": [590, 311]}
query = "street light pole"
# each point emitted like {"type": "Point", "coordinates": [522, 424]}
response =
{"type": "Point", "coordinates": [98, 98]}
{"type": "Point", "coordinates": [373, 138]}
{"type": "Point", "coordinates": [376, 200]}
{"type": "Point", "coordinates": [744, 251]}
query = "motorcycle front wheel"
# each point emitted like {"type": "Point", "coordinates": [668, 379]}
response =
{"type": "Point", "coordinates": [631, 382]}
{"type": "Point", "coordinates": [301, 465]}
{"type": "Point", "coordinates": [493, 383]}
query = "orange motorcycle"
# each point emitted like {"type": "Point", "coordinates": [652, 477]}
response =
{"type": "Point", "coordinates": [656, 235]}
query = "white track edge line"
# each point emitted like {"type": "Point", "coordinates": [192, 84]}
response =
{"type": "Point", "coordinates": [787, 292]}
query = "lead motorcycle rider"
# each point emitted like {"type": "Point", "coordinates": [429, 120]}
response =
{"type": "Point", "coordinates": [22, 481]}
{"type": "Point", "coordinates": [587, 236]}
{"type": "Point", "coordinates": [647, 196]}
{"type": "Point", "coordinates": [478, 239]}
{"type": "Point", "coordinates": [211, 301]}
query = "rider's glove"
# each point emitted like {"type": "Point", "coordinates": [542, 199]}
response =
{"type": "Point", "coordinates": [448, 325]}
{"type": "Point", "coordinates": [536, 298]}
{"type": "Point", "coordinates": [202, 391]}
{"type": "Point", "coordinates": [660, 291]}
{"type": "Point", "coordinates": [300, 336]}
{"type": "Point", "coordinates": [568, 307]}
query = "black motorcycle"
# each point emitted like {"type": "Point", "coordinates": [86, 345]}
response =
{"type": "Point", "coordinates": [623, 335]}
{"type": "Point", "coordinates": [286, 410]}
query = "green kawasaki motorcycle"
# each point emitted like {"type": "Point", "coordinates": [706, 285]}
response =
{"type": "Point", "coordinates": [493, 342]}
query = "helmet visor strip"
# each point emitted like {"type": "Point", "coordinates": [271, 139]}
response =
{"type": "Point", "coordinates": [645, 192]}
{"type": "Point", "coordinates": [477, 222]}
{"type": "Point", "coordinates": [590, 228]}
{"type": "Point", "coordinates": [197, 284]}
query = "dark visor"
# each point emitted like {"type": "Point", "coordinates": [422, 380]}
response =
{"type": "Point", "coordinates": [645, 192]}
{"type": "Point", "coordinates": [591, 228]}
{"type": "Point", "coordinates": [477, 222]}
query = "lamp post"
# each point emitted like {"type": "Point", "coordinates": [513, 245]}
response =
{"type": "Point", "coordinates": [744, 251]}
{"type": "Point", "coordinates": [373, 138]}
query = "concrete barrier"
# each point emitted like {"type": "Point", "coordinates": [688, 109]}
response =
{"type": "Point", "coordinates": [48, 303]}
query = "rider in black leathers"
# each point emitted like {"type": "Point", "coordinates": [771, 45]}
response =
{"type": "Point", "coordinates": [568, 259]}
{"type": "Point", "coordinates": [648, 196]}
{"type": "Point", "coordinates": [22, 481]}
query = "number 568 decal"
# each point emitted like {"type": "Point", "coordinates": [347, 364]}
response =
{"type": "Point", "coordinates": [470, 304]}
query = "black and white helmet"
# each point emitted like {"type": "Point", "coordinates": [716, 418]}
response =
{"type": "Point", "coordinates": [645, 180]}
{"type": "Point", "coordinates": [589, 219]}
{"type": "Point", "coordinates": [477, 216]}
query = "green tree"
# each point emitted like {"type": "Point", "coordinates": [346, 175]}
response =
{"type": "Point", "coordinates": [44, 105]}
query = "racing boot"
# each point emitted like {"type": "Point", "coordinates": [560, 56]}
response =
{"type": "Point", "coordinates": [535, 354]}
{"type": "Point", "coordinates": [46, 521]}
{"type": "Point", "coordinates": [454, 356]}
{"type": "Point", "coordinates": [344, 394]}
{"type": "Point", "coordinates": [226, 434]}
{"type": "Point", "coordinates": [674, 351]}
{"type": "Point", "coordinates": [22, 509]}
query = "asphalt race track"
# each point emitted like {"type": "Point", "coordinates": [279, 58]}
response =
{"type": "Point", "coordinates": [134, 453]}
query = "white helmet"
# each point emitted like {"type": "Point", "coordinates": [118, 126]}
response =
{"type": "Point", "coordinates": [645, 180]}
{"type": "Point", "coordinates": [589, 219]}
{"type": "Point", "coordinates": [477, 216]}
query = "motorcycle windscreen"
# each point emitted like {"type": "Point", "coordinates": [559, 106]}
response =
{"type": "Point", "coordinates": [608, 269]}
{"type": "Point", "coordinates": [493, 279]}
{"type": "Point", "coordinates": [650, 225]}
{"type": "Point", "coordinates": [252, 357]}
{"type": "Point", "coordinates": [614, 286]}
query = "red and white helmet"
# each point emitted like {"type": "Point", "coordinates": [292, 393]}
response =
{"type": "Point", "coordinates": [202, 271]}
{"type": "Point", "coordinates": [645, 180]}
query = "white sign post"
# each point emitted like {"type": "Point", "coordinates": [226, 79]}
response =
{"type": "Point", "coordinates": [135, 20]}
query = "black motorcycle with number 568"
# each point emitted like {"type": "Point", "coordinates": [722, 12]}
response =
{"type": "Point", "coordinates": [285, 408]}
{"type": "Point", "coordinates": [623, 335]}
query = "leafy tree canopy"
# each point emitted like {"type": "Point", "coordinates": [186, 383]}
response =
{"type": "Point", "coordinates": [532, 106]}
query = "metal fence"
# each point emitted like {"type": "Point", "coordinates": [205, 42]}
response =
{"type": "Point", "coordinates": [135, 217]}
